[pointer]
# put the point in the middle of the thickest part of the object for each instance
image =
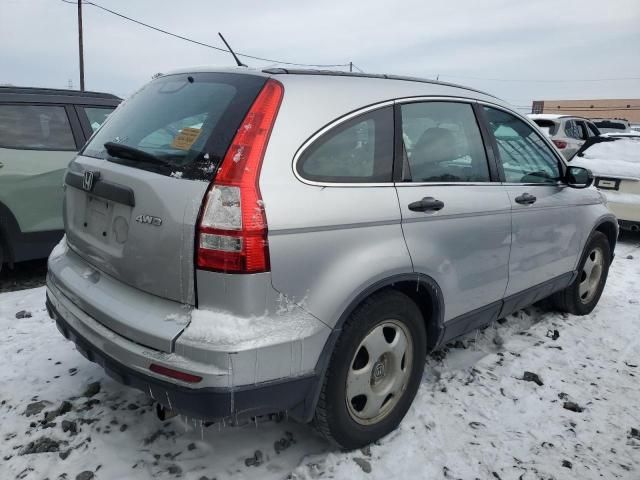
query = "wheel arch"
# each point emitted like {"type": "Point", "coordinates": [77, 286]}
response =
{"type": "Point", "coordinates": [609, 227]}
{"type": "Point", "coordinates": [420, 288]}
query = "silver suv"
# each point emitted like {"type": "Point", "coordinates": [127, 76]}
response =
{"type": "Point", "coordinates": [244, 242]}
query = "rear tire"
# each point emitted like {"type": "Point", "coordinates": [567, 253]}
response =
{"type": "Point", "coordinates": [581, 297]}
{"type": "Point", "coordinates": [374, 371]}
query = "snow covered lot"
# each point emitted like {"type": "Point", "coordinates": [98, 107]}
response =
{"type": "Point", "coordinates": [474, 416]}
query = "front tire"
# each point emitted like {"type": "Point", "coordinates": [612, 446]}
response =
{"type": "Point", "coordinates": [374, 371]}
{"type": "Point", "coordinates": [581, 297]}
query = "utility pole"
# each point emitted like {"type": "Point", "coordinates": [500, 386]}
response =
{"type": "Point", "coordinates": [80, 48]}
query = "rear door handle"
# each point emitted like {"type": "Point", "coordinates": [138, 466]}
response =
{"type": "Point", "coordinates": [426, 204]}
{"type": "Point", "coordinates": [526, 199]}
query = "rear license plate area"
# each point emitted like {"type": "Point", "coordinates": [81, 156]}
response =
{"type": "Point", "coordinates": [97, 217]}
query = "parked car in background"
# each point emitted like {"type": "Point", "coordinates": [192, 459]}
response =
{"type": "Point", "coordinates": [297, 241]}
{"type": "Point", "coordinates": [615, 163]}
{"type": "Point", "coordinates": [567, 133]}
{"type": "Point", "coordinates": [40, 132]}
{"type": "Point", "coordinates": [612, 125]}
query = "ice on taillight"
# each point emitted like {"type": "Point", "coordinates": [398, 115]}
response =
{"type": "Point", "coordinates": [223, 208]}
{"type": "Point", "coordinates": [223, 243]}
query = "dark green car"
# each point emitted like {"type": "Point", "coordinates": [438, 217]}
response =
{"type": "Point", "coordinates": [40, 132]}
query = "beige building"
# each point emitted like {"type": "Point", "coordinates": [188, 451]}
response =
{"type": "Point", "coordinates": [626, 108]}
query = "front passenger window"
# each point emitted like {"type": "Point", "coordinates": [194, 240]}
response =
{"type": "Point", "coordinates": [524, 156]}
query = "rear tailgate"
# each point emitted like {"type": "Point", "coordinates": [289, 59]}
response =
{"type": "Point", "coordinates": [134, 193]}
{"type": "Point", "coordinates": [134, 225]}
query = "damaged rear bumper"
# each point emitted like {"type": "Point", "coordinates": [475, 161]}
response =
{"type": "Point", "coordinates": [293, 395]}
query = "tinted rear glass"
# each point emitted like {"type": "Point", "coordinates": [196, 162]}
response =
{"type": "Point", "coordinates": [547, 126]}
{"type": "Point", "coordinates": [97, 115]}
{"type": "Point", "coordinates": [186, 121]}
{"type": "Point", "coordinates": [611, 125]}
{"type": "Point", "coordinates": [35, 127]}
{"type": "Point", "coordinates": [357, 151]}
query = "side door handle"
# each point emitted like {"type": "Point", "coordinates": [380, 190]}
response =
{"type": "Point", "coordinates": [426, 204]}
{"type": "Point", "coordinates": [526, 199]}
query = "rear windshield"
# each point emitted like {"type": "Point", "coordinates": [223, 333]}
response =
{"type": "Point", "coordinates": [609, 125]}
{"type": "Point", "coordinates": [179, 125]}
{"type": "Point", "coordinates": [549, 127]}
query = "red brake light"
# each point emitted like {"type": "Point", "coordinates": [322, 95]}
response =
{"type": "Point", "coordinates": [560, 144]}
{"type": "Point", "coordinates": [170, 372]}
{"type": "Point", "coordinates": [232, 231]}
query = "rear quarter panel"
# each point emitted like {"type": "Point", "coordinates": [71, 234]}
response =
{"type": "Point", "coordinates": [329, 244]}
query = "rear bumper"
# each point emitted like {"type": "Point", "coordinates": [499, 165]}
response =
{"type": "Point", "coordinates": [213, 403]}
{"type": "Point", "coordinates": [625, 206]}
{"type": "Point", "coordinates": [248, 365]}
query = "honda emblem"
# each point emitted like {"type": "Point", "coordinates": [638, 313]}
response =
{"type": "Point", "coordinates": [88, 179]}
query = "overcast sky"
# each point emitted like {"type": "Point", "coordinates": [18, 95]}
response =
{"type": "Point", "coordinates": [464, 41]}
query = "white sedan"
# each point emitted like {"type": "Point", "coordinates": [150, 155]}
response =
{"type": "Point", "coordinates": [615, 163]}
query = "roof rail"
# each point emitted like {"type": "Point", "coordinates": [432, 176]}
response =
{"type": "Point", "coordinates": [384, 76]}
{"type": "Point", "coordinates": [55, 91]}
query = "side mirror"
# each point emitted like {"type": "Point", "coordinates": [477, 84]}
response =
{"type": "Point", "coordinates": [578, 177]}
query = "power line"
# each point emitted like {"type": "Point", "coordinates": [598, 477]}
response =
{"type": "Point", "coordinates": [166, 32]}
{"type": "Point", "coordinates": [546, 80]}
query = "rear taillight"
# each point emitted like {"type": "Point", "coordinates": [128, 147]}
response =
{"type": "Point", "coordinates": [232, 232]}
{"type": "Point", "coordinates": [560, 144]}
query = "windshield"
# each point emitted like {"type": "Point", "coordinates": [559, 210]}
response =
{"type": "Point", "coordinates": [185, 121]}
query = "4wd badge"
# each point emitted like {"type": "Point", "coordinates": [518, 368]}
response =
{"type": "Point", "coordinates": [150, 220]}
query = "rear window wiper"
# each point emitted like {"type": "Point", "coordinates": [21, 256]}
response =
{"type": "Point", "coordinates": [126, 152]}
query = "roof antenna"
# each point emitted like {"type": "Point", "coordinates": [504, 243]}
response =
{"type": "Point", "coordinates": [235, 57]}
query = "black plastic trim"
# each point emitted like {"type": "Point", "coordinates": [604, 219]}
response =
{"type": "Point", "coordinates": [534, 294]}
{"type": "Point", "coordinates": [470, 321]}
{"type": "Point", "coordinates": [489, 313]}
{"type": "Point", "coordinates": [209, 403]}
{"type": "Point", "coordinates": [104, 189]}
{"type": "Point", "coordinates": [490, 145]}
{"type": "Point", "coordinates": [76, 128]}
{"type": "Point", "coordinates": [628, 225]}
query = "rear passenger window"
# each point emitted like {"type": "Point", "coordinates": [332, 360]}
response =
{"type": "Point", "coordinates": [357, 151]}
{"type": "Point", "coordinates": [96, 116]}
{"type": "Point", "coordinates": [35, 127]}
{"type": "Point", "coordinates": [524, 156]}
{"type": "Point", "coordinates": [442, 143]}
{"type": "Point", "coordinates": [574, 129]}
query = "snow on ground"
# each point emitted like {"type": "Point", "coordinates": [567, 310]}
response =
{"type": "Point", "coordinates": [474, 416]}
